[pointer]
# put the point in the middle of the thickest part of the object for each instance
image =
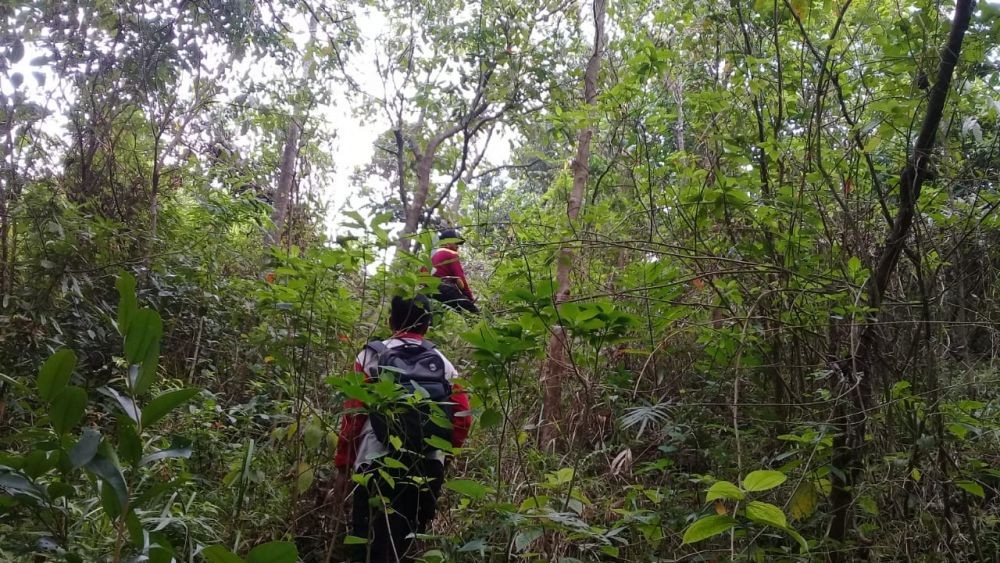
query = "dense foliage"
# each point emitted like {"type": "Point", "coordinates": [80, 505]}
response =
{"type": "Point", "coordinates": [737, 263]}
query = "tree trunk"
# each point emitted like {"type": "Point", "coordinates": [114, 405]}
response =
{"type": "Point", "coordinates": [7, 191]}
{"type": "Point", "coordinates": [554, 370]}
{"type": "Point", "coordinates": [856, 372]}
{"type": "Point", "coordinates": [283, 195]}
{"type": "Point", "coordinates": [154, 206]}
{"type": "Point", "coordinates": [423, 188]}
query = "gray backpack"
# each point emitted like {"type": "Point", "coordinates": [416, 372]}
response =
{"type": "Point", "coordinates": [419, 370]}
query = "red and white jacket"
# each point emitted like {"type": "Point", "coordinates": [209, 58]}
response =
{"type": "Point", "coordinates": [358, 444]}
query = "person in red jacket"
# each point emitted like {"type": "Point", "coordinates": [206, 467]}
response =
{"type": "Point", "coordinates": [453, 290]}
{"type": "Point", "coordinates": [413, 502]}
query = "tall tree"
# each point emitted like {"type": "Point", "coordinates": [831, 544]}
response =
{"type": "Point", "coordinates": [558, 356]}
{"type": "Point", "coordinates": [449, 76]}
{"type": "Point", "coordinates": [860, 370]}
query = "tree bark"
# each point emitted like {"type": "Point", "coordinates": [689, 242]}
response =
{"type": "Point", "coordinates": [9, 161]}
{"type": "Point", "coordinates": [286, 176]}
{"type": "Point", "coordinates": [856, 371]}
{"type": "Point", "coordinates": [554, 370]}
{"type": "Point", "coordinates": [425, 164]}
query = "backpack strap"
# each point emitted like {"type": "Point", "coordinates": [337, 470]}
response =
{"type": "Point", "coordinates": [427, 345]}
{"type": "Point", "coordinates": [377, 346]}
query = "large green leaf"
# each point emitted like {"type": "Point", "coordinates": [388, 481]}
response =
{"type": "Point", "coordinates": [145, 329]}
{"type": "Point", "coordinates": [142, 346]}
{"type": "Point", "coordinates": [135, 530]}
{"type": "Point", "coordinates": [127, 304]}
{"type": "Point", "coordinates": [55, 373]}
{"type": "Point", "coordinates": [524, 538]}
{"type": "Point", "coordinates": [763, 480]}
{"type": "Point", "coordinates": [723, 489]}
{"type": "Point", "coordinates": [67, 408]}
{"type": "Point", "coordinates": [147, 370]}
{"type": "Point", "coordinates": [971, 487]}
{"type": "Point", "coordinates": [160, 550]}
{"type": "Point", "coordinates": [803, 501]}
{"type": "Point", "coordinates": [468, 488]}
{"type": "Point", "coordinates": [219, 554]}
{"type": "Point", "coordinates": [708, 527]}
{"type": "Point", "coordinates": [490, 418]}
{"type": "Point", "coordinates": [86, 447]}
{"type": "Point", "coordinates": [17, 484]}
{"type": "Point", "coordinates": [354, 540]}
{"type": "Point", "coordinates": [129, 443]}
{"type": "Point", "coordinates": [803, 544]}
{"type": "Point", "coordinates": [170, 453]}
{"type": "Point", "coordinates": [105, 468]}
{"type": "Point", "coordinates": [164, 403]}
{"type": "Point", "coordinates": [126, 403]}
{"type": "Point", "coordinates": [767, 514]}
{"type": "Point", "coordinates": [274, 552]}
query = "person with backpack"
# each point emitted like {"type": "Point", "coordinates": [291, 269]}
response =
{"type": "Point", "coordinates": [391, 446]}
{"type": "Point", "coordinates": [453, 290]}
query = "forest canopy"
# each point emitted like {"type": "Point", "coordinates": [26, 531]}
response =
{"type": "Point", "coordinates": [733, 262]}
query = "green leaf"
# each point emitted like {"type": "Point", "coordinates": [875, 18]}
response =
{"type": "Point", "coordinates": [869, 505]}
{"type": "Point", "coordinates": [533, 503]}
{"type": "Point", "coordinates": [38, 462]}
{"type": "Point", "coordinates": [129, 443]}
{"type": "Point", "coordinates": [803, 544]}
{"type": "Point", "coordinates": [490, 418]}
{"type": "Point", "coordinates": [147, 370]}
{"type": "Point", "coordinates": [305, 476]}
{"type": "Point", "coordinates": [127, 304]}
{"type": "Point", "coordinates": [766, 513]}
{"type": "Point", "coordinates": [803, 501]}
{"type": "Point", "coordinates": [134, 527]}
{"type": "Point", "coordinates": [55, 373]}
{"type": "Point", "coordinates": [393, 463]}
{"type": "Point", "coordinates": [219, 554]}
{"type": "Point", "coordinates": [104, 468]}
{"type": "Point", "coordinates": [873, 143]}
{"type": "Point", "coordinates": [563, 476]}
{"type": "Point", "coordinates": [313, 435]}
{"type": "Point", "coordinates": [611, 550]}
{"type": "Point", "coordinates": [440, 443]}
{"type": "Point", "coordinates": [85, 448]}
{"type": "Point", "coordinates": [524, 538]}
{"type": "Point", "coordinates": [354, 540]}
{"type": "Point", "coordinates": [274, 552]}
{"type": "Point", "coordinates": [708, 527]}
{"type": "Point", "coordinates": [723, 489]}
{"type": "Point", "coordinates": [468, 487]}
{"type": "Point", "coordinates": [763, 480]}
{"type": "Point", "coordinates": [164, 403]}
{"type": "Point", "coordinates": [59, 489]}
{"type": "Point", "coordinates": [17, 484]}
{"type": "Point", "coordinates": [67, 409]}
{"type": "Point", "coordinates": [170, 453]}
{"type": "Point", "coordinates": [142, 343]}
{"type": "Point", "coordinates": [109, 502]}
{"type": "Point", "coordinates": [971, 487]}
{"type": "Point", "coordinates": [161, 554]}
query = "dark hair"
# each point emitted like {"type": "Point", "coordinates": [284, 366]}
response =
{"type": "Point", "coordinates": [451, 235]}
{"type": "Point", "coordinates": [410, 315]}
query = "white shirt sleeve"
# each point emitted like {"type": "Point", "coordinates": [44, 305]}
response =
{"type": "Point", "coordinates": [366, 359]}
{"type": "Point", "coordinates": [449, 370]}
